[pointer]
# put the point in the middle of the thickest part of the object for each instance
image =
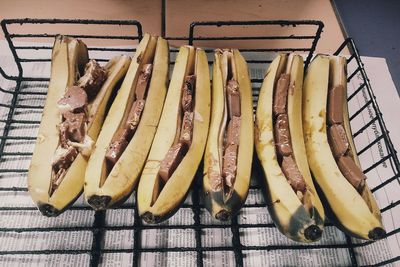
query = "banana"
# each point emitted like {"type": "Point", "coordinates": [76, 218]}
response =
{"type": "Point", "coordinates": [298, 214]}
{"type": "Point", "coordinates": [69, 57]}
{"type": "Point", "coordinates": [355, 210]}
{"type": "Point", "coordinates": [180, 139]}
{"type": "Point", "coordinates": [224, 198]}
{"type": "Point", "coordinates": [107, 188]}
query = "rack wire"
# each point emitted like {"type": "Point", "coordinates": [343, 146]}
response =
{"type": "Point", "coordinates": [23, 100]}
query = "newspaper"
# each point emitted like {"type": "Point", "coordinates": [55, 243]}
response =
{"type": "Point", "coordinates": [67, 240]}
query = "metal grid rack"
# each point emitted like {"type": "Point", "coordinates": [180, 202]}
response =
{"type": "Point", "coordinates": [18, 129]}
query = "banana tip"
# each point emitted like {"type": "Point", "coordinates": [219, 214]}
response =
{"type": "Point", "coordinates": [149, 217]}
{"type": "Point", "coordinates": [377, 233]}
{"type": "Point", "coordinates": [223, 215]}
{"type": "Point", "coordinates": [49, 210]}
{"type": "Point", "coordinates": [313, 233]}
{"type": "Point", "coordinates": [99, 202]}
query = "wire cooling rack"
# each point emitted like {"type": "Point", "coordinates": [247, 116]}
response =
{"type": "Point", "coordinates": [22, 104]}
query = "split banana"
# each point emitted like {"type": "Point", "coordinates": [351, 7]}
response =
{"type": "Point", "coordinates": [128, 131]}
{"type": "Point", "coordinates": [229, 151]}
{"type": "Point", "coordinates": [292, 198]}
{"type": "Point", "coordinates": [331, 151]}
{"type": "Point", "coordinates": [180, 139]}
{"type": "Point", "coordinates": [72, 117]}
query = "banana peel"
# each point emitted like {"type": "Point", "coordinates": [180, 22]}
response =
{"type": "Point", "coordinates": [222, 207]}
{"type": "Point", "coordinates": [357, 214]}
{"type": "Point", "coordinates": [103, 192]}
{"type": "Point", "coordinates": [69, 57]}
{"type": "Point", "coordinates": [156, 204]}
{"type": "Point", "coordinates": [302, 222]}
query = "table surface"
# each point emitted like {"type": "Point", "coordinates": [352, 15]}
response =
{"type": "Point", "coordinates": [180, 13]}
{"type": "Point", "coordinates": [373, 24]}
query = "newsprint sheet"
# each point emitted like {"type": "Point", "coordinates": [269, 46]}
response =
{"type": "Point", "coordinates": [25, 234]}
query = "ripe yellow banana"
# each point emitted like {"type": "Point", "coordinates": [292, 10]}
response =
{"type": "Point", "coordinates": [69, 57]}
{"type": "Point", "coordinates": [355, 211]}
{"type": "Point", "coordinates": [179, 142]}
{"type": "Point", "coordinates": [105, 189]}
{"type": "Point", "coordinates": [224, 198]}
{"type": "Point", "coordinates": [298, 214]}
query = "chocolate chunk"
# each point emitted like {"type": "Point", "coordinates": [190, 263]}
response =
{"type": "Point", "coordinates": [171, 161]}
{"type": "Point", "coordinates": [64, 159]}
{"type": "Point", "coordinates": [56, 179]}
{"type": "Point", "coordinates": [64, 135]}
{"type": "Point", "coordinates": [74, 100]}
{"type": "Point", "coordinates": [123, 136]}
{"type": "Point", "coordinates": [282, 135]}
{"type": "Point", "coordinates": [233, 96]}
{"type": "Point", "coordinates": [216, 181]}
{"type": "Point", "coordinates": [114, 151]}
{"type": "Point", "coordinates": [231, 150]}
{"type": "Point", "coordinates": [72, 128]}
{"type": "Point", "coordinates": [335, 105]}
{"type": "Point", "coordinates": [93, 79]}
{"type": "Point", "coordinates": [187, 128]}
{"type": "Point", "coordinates": [233, 131]}
{"type": "Point", "coordinates": [122, 133]}
{"type": "Point", "coordinates": [188, 92]}
{"type": "Point", "coordinates": [338, 140]}
{"type": "Point", "coordinates": [352, 172]}
{"type": "Point", "coordinates": [143, 81]}
{"type": "Point", "coordinates": [229, 166]}
{"type": "Point", "coordinates": [280, 94]}
{"type": "Point", "coordinates": [76, 122]}
{"type": "Point", "coordinates": [293, 174]}
{"type": "Point", "coordinates": [134, 114]}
